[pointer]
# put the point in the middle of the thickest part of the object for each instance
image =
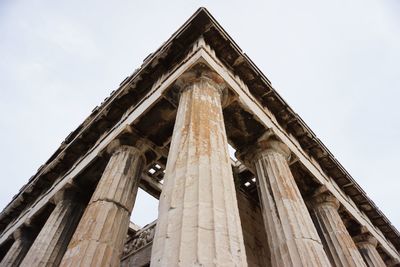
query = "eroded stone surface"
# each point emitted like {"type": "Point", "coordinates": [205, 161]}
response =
{"type": "Point", "coordinates": [366, 244]}
{"type": "Point", "coordinates": [22, 241]}
{"type": "Point", "coordinates": [198, 223]}
{"type": "Point", "coordinates": [134, 92]}
{"type": "Point", "coordinates": [52, 241]}
{"type": "Point", "coordinates": [98, 240]}
{"type": "Point", "coordinates": [292, 237]}
{"type": "Point", "coordinates": [137, 250]}
{"type": "Point", "coordinates": [339, 244]}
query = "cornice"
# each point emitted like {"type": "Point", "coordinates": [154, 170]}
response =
{"type": "Point", "coordinates": [151, 74]}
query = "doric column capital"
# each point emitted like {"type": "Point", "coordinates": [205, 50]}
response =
{"type": "Point", "coordinates": [292, 236]}
{"type": "Point", "coordinates": [365, 238]}
{"type": "Point", "coordinates": [23, 232]}
{"type": "Point", "coordinates": [116, 146]}
{"type": "Point", "coordinates": [23, 238]}
{"type": "Point", "coordinates": [367, 244]}
{"type": "Point", "coordinates": [322, 197]}
{"type": "Point", "coordinates": [267, 143]}
{"type": "Point", "coordinates": [338, 242]}
{"type": "Point", "coordinates": [272, 145]}
{"type": "Point", "coordinates": [200, 74]}
{"type": "Point", "coordinates": [109, 207]}
{"type": "Point", "coordinates": [19, 233]}
{"type": "Point", "coordinates": [199, 167]}
{"type": "Point", "coordinates": [51, 242]}
{"type": "Point", "coordinates": [326, 199]}
{"type": "Point", "coordinates": [393, 262]}
{"type": "Point", "coordinates": [68, 193]}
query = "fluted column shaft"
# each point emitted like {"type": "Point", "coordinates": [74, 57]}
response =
{"type": "Point", "coordinates": [99, 237]}
{"type": "Point", "coordinates": [366, 244]}
{"type": "Point", "coordinates": [198, 223]}
{"type": "Point", "coordinates": [339, 244]}
{"type": "Point", "coordinates": [292, 236]}
{"type": "Point", "coordinates": [22, 241]}
{"type": "Point", "coordinates": [52, 241]}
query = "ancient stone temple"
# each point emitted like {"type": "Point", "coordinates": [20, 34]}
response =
{"type": "Point", "coordinates": [282, 200]}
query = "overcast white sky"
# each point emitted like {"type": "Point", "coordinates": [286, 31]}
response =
{"type": "Point", "coordinates": [335, 62]}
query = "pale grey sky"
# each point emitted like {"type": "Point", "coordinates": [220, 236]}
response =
{"type": "Point", "coordinates": [335, 62]}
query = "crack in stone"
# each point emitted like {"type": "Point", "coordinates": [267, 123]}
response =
{"type": "Point", "coordinates": [114, 202]}
{"type": "Point", "coordinates": [308, 238]}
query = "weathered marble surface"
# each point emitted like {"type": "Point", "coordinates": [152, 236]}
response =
{"type": "Point", "coordinates": [52, 241]}
{"type": "Point", "coordinates": [22, 241]}
{"type": "Point", "coordinates": [99, 237]}
{"type": "Point", "coordinates": [366, 244]}
{"type": "Point", "coordinates": [292, 237]}
{"type": "Point", "coordinates": [199, 222]}
{"type": "Point", "coordinates": [338, 242]}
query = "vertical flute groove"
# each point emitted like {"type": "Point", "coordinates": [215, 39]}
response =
{"type": "Point", "coordinates": [339, 244]}
{"type": "Point", "coordinates": [99, 237]}
{"type": "Point", "coordinates": [366, 244]}
{"type": "Point", "coordinates": [291, 235]}
{"type": "Point", "coordinates": [198, 193]}
{"type": "Point", "coordinates": [52, 241]}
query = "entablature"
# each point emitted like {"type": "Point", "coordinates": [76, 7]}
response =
{"type": "Point", "coordinates": [148, 96]}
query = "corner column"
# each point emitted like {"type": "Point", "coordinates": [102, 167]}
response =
{"type": "Point", "coordinates": [292, 237]}
{"type": "Point", "coordinates": [366, 244]}
{"type": "Point", "coordinates": [198, 223]}
{"type": "Point", "coordinates": [99, 237]}
{"type": "Point", "coordinates": [340, 246]}
{"type": "Point", "coordinates": [22, 241]}
{"type": "Point", "coordinates": [52, 241]}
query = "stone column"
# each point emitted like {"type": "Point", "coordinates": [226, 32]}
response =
{"type": "Point", "coordinates": [52, 241]}
{"type": "Point", "coordinates": [99, 237]}
{"type": "Point", "coordinates": [198, 222]}
{"type": "Point", "coordinates": [393, 262]}
{"type": "Point", "coordinates": [23, 239]}
{"type": "Point", "coordinates": [292, 237]}
{"type": "Point", "coordinates": [366, 244]}
{"type": "Point", "coordinates": [339, 244]}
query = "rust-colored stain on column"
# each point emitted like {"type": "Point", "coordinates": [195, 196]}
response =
{"type": "Point", "coordinates": [199, 223]}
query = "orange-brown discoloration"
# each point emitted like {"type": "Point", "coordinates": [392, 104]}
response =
{"type": "Point", "coordinates": [99, 237]}
{"type": "Point", "coordinates": [291, 234]}
{"type": "Point", "coordinates": [199, 222]}
{"type": "Point", "coordinates": [339, 244]}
